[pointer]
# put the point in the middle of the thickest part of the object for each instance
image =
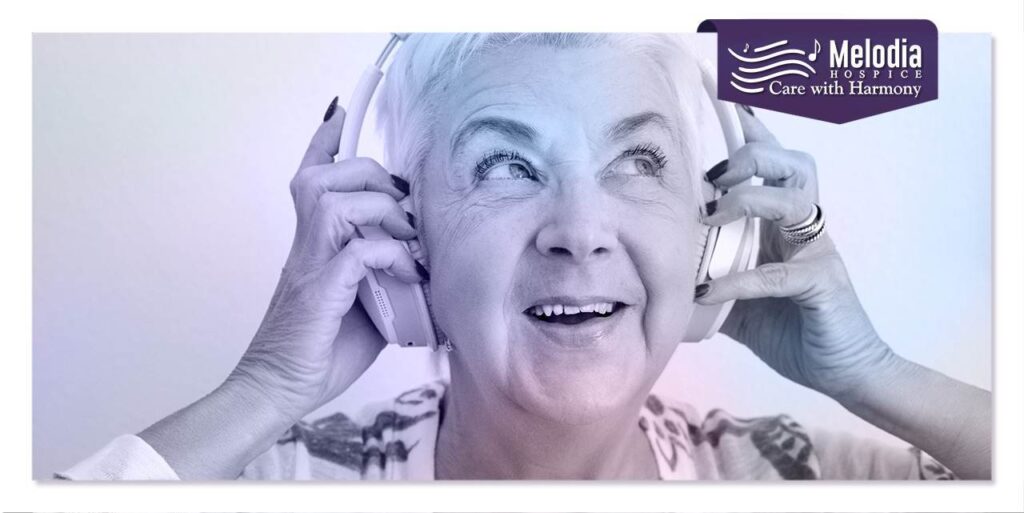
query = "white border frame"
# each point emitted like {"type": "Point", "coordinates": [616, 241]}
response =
{"type": "Point", "coordinates": [1001, 19]}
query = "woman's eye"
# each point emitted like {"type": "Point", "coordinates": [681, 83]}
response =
{"type": "Point", "coordinates": [508, 171]}
{"type": "Point", "coordinates": [635, 166]}
{"type": "Point", "coordinates": [644, 160]}
{"type": "Point", "coordinates": [504, 165]}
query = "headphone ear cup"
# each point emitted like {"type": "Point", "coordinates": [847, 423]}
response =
{"type": "Point", "coordinates": [417, 248]}
{"type": "Point", "coordinates": [418, 252]}
{"type": "Point", "coordinates": [703, 253]}
{"type": "Point", "coordinates": [703, 318]}
{"type": "Point", "coordinates": [708, 193]}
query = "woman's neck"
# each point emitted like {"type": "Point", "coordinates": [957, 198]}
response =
{"type": "Point", "coordinates": [498, 441]}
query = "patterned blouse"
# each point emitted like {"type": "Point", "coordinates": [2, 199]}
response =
{"type": "Point", "coordinates": [396, 441]}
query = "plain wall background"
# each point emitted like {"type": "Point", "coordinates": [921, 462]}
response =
{"type": "Point", "coordinates": [162, 218]}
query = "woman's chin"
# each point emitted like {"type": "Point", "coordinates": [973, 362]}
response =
{"type": "Point", "coordinates": [580, 389]}
{"type": "Point", "coordinates": [578, 399]}
{"type": "Point", "coordinates": [578, 373]}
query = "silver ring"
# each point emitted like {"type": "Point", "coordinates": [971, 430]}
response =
{"type": "Point", "coordinates": [806, 231]}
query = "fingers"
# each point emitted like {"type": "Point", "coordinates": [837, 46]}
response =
{"type": "Point", "coordinates": [778, 166]}
{"type": "Point", "coordinates": [753, 129]}
{"type": "Point", "coordinates": [783, 206]}
{"type": "Point", "coordinates": [350, 175]}
{"type": "Point", "coordinates": [324, 145]}
{"type": "Point", "coordinates": [768, 280]}
{"type": "Point", "coordinates": [788, 199]}
{"type": "Point", "coordinates": [763, 157]}
{"type": "Point", "coordinates": [337, 215]}
{"type": "Point", "coordinates": [807, 281]}
{"type": "Point", "coordinates": [344, 272]}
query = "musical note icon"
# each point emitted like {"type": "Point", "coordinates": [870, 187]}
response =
{"type": "Point", "coordinates": [814, 55]}
{"type": "Point", "coordinates": [769, 61]}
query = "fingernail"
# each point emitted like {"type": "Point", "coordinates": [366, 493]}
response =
{"type": "Point", "coordinates": [412, 219]}
{"type": "Point", "coordinates": [701, 290]}
{"type": "Point", "coordinates": [330, 109]}
{"type": "Point", "coordinates": [423, 271]}
{"type": "Point", "coordinates": [710, 207]}
{"type": "Point", "coordinates": [747, 109]}
{"type": "Point", "coordinates": [400, 184]}
{"type": "Point", "coordinates": [717, 171]}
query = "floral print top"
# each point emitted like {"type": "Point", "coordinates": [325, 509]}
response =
{"type": "Point", "coordinates": [397, 441]}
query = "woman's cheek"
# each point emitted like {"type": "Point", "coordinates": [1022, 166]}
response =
{"type": "Point", "coordinates": [472, 272]}
{"type": "Point", "coordinates": [665, 250]}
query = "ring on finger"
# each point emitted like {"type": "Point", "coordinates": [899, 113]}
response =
{"type": "Point", "coordinates": [806, 231]}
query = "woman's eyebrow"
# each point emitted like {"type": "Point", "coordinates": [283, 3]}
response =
{"type": "Point", "coordinates": [634, 123]}
{"type": "Point", "coordinates": [508, 128]}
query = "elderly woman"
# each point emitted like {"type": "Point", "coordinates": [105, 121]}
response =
{"type": "Point", "coordinates": [556, 195]}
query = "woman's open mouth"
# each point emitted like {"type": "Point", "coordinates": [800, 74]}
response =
{"type": "Point", "coordinates": [573, 314]}
{"type": "Point", "coordinates": [578, 321]}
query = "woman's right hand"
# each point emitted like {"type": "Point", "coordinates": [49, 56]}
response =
{"type": "Point", "coordinates": [315, 339]}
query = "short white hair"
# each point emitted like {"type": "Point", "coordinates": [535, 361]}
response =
{"type": "Point", "coordinates": [426, 65]}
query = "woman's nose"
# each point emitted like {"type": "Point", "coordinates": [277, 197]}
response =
{"type": "Point", "coordinates": [579, 224]}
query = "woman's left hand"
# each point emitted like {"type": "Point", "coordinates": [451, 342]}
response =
{"type": "Point", "coordinates": [797, 310]}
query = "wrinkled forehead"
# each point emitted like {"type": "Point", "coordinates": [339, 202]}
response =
{"type": "Point", "coordinates": [597, 86]}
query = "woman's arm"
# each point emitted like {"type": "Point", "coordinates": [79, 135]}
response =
{"type": "Point", "coordinates": [218, 435]}
{"type": "Point", "coordinates": [314, 340]}
{"type": "Point", "coordinates": [948, 419]}
{"type": "Point", "coordinates": [799, 313]}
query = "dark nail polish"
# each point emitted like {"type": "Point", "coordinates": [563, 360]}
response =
{"type": "Point", "coordinates": [710, 207]}
{"type": "Point", "coordinates": [747, 109]}
{"type": "Point", "coordinates": [400, 184]}
{"type": "Point", "coordinates": [717, 171]}
{"type": "Point", "coordinates": [423, 271]}
{"type": "Point", "coordinates": [701, 290]}
{"type": "Point", "coordinates": [330, 109]}
{"type": "Point", "coordinates": [412, 219]}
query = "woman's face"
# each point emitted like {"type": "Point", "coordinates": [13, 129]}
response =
{"type": "Point", "coordinates": [561, 228]}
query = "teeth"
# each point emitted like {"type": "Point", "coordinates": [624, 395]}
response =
{"type": "Point", "coordinates": [549, 310]}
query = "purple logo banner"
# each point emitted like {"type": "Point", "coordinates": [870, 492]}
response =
{"type": "Point", "coordinates": [831, 70]}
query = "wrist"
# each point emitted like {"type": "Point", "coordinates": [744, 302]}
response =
{"type": "Point", "coordinates": [880, 383]}
{"type": "Point", "coordinates": [947, 419]}
{"type": "Point", "coordinates": [878, 375]}
{"type": "Point", "coordinates": [218, 435]}
{"type": "Point", "coordinates": [258, 401]}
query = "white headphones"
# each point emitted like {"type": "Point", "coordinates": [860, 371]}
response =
{"type": "Point", "coordinates": [401, 311]}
